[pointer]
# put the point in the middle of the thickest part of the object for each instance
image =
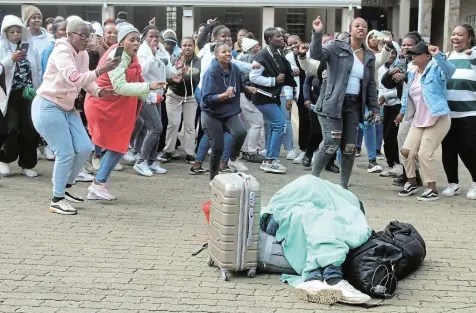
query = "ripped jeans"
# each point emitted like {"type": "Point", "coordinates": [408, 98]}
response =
{"type": "Point", "coordinates": [339, 132]}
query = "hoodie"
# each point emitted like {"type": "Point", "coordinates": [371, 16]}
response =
{"type": "Point", "coordinates": [42, 41]}
{"type": "Point", "coordinates": [67, 72]}
{"type": "Point", "coordinates": [8, 66]}
{"type": "Point", "coordinates": [215, 82]}
{"type": "Point", "coordinates": [155, 68]}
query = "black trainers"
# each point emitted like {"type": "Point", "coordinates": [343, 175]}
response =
{"type": "Point", "coordinates": [400, 181]}
{"type": "Point", "coordinates": [333, 168]}
{"type": "Point", "coordinates": [190, 159]}
{"type": "Point", "coordinates": [166, 157]}
{"type": "Point", "coordinates": [226, 170]}
{"type": "Point", "coordinates": [254, 158]}
{"type": "Point", "coordinates": [357, 151]}
{"type": "Point", "coordinates": [197, 170]}
{"type": "Point", "coordinates": [408, 190]}
{"type": "Point", "coordinates": [428, 195]}
{"type": "Point", "coordinates": [306, 161]}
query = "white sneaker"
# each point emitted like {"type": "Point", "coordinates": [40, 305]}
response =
{"type": "Point", "coordinates": [237, 165]}
{"type": "Point", "coordinates": [49, 155]}
{"type": "Point", "coordinates": [72, 196]}
{"type": "Point", "coordinates": [159, 156]}
{"type": "Point", "coordinates": [176, 154]}
{"type": "Point", "coordinates": [157, 169]}
{"type": "Point", "coordinates": [299, 158]}
{"type": "Point", "coordinates": [451, 190]}
{"type": "Point", "coordinates": [96, 162]}
{"type": "Point", "coordinates": [118, 167]}
{"type": "Point", "coordinates": [291, 155]}
{"type": "Point", "coordinates": [471, 195]}
{"type": "Point", "coordinates": [262, 152]}
{"type": "Point", "coordinates": [350, 295]}
{"type": "Point", "coordinates": [274, 167]}
{"type": "Point", "coordinates": [62, 207]}
{"type": "Point", "coordinates": [84, 176]}
{"type": "Point", "coordinates": [318, 292]}
{"type": "Point", "coordinates": [129, 157]}
{"type": "Point", "coordinates": [5, 169]}
{"type": "Point", "coordinates": [373, 167]}
{"type": "Point", "coordinates": [143, 169]}
{"type": "Point", "coordinates": [397, 170]}
{"type": "Point", "coordinates": [29, 172]}
{"type": "Point", "coordinates": [100, 192]}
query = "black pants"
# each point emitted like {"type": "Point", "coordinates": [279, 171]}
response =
{"type": "Point", "coordinates": [22, 139]}
{"type": "Point", "coordinates": [165, 122]}
{"type": "Point", "coordinates": [315, 137]}
{"type": "Point", "coordinates": [214, 128]}
{"type": "Point", "coordinates": [304, 124]}
{"type": "Point", "coordinates": [390, 132]}
{"type": "Point", "coordinates": [460, 141]}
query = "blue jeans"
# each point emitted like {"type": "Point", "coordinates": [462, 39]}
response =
{"type": "Point", "coordinates": [329, 272]}
{"type": "Point", "coordinates": [97, 150]}
{"type": "Point", "coordinates": [204, 145]}
{"type": "Point", "coordinates": [277, 124]}
{"type": "Point", "coordinates": [66, 136]}
{"type": "Point", "coordinates": [108, 162]}
{"type": "Point", "coordinates": [370, 138]}
{"type": "Point", "coordinates": [288, 137]}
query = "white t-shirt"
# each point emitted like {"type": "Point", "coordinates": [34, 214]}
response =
{"type": "Point", "coordinates": [356, 75]}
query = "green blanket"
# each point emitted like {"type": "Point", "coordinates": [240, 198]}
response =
{"type": "Point", "coordinates": [319, 221]}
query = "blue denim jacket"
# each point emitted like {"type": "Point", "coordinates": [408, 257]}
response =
{"type": "Point", "coordinates": [433, 84]}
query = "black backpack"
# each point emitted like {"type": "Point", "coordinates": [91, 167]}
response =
{"type": "Point", "coordinates": [405, 237]}
{"type": "Point", "coordinates": [370, 267]}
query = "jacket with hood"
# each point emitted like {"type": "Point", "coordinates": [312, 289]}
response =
{"type": "Point", "coordinates": [66, 73]}
{"type": "Point", "coordinates": [155, 68]}
{"type": "Point", "coordinates": [41, 42]}
{"type": "Point", "coordinates": [186, 88]}
{"type": "Point", "coordinates": [6, 57]}
{"type": "Point", "coordinates": [217, 81]}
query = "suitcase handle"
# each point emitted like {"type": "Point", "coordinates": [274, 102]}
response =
{"type": "Point", "coordinates": [251, 217]}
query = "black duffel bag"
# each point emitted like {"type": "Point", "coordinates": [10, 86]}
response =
{"type": "Point", "coordinates": [370, 267]}
{"type": "Point", "coordinates": [405, 237]}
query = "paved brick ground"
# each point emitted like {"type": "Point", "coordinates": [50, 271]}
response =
{"type": "Point", "coordinates": [134, 254]}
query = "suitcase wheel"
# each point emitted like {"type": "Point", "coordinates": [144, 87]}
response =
{"type": "Point", "coordinates": [210, 262]}
{"type": "Point", "coordinates": [251, 272]}
{"type": "Point", "coordinates": [225, 275]}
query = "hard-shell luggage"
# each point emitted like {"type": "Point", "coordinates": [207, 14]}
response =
{"type": "Point", "coordinates": [234, 224]}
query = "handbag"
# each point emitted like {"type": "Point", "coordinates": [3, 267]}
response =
{"type": "Point", "coordinates": [29, 93]}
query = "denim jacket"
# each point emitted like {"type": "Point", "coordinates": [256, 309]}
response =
{"type": "Point", "coordinates": [433, 84]}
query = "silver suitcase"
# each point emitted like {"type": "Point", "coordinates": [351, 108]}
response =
{"type": "Point", "coordinates": [234, 224]}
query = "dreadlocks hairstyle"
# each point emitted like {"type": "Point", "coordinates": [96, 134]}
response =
{"type": "Point", "coordinates": [146, 30]}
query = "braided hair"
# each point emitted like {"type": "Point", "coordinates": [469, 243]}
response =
{"type": "Point", "coordinates": [471, 34]}
{"type": "Point", "coordinates": [146, 30]}
{"type": "Point", "coordinates": [415, 36]}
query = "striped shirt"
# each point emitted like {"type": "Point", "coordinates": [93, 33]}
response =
{"type": "Point", "coordinates": [462, 85]}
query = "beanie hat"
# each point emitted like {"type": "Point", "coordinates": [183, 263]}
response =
{"type": "Point", "coordinates": [98, 30]}
{"type": "Point", "coordinates": [28, 12]}
{"type": "Point", "coordinates": [247, 44]}
{"type": "Point", "coordinates": [123, 29]}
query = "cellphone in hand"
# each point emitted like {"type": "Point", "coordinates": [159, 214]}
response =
{"type": "Point", "coordinates": [119, 52]}
{"type": "Point", "coordinates": [24, 47]}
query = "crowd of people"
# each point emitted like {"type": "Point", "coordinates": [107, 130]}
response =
{"type": "Point", "coordinates": [95, 94]}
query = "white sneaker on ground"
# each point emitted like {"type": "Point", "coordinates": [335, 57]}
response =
{"type": "Point", "coordinates": [262, 152]}
{"type": "Point", "coordinates": [237, 165]}
{"type": "Point", "coordinates": [5, 169]}
{"type": "Point", "coordinates": [318, 292]}
{"type": "Point", "coordinates": [129, 157]}
{"type": "Point", "coordinates": [118, 167]}
{"type": "Point", "coordinates": [100, 192]}
{"type": "Point", "coordinates": [29, 172]}
{"type": "Point", "coordinates": [159, 156]}
{"type": "Point", "coordinates": [291, 155]}
{"type": "Point", "coordinates": [157, 169]}
{"type": "Point", "coordinates": [350, 295]}
{"type": "Point", "coordinates": [274, 167]}
{"type": "Point", "coordinates": [84, 176]}
{"type": "Point", "coordinates": [451, 190]}
{"type": "Point", "coordinates": [373, 167]}
{"type": "Point", "coordinates": [395, 171]}
{"type": "Point", "coordinates": [299, 158]}
{"type": "Point", "coordinates": [471, 195]}
{"type": "Point", "coordinates": [72, 196]}
{"type": "Point", "coordinates": [96, 162]}
{"type": "Point", "coordinates": [49, 155]}
{"type": "Point", "coordinates": [143, 169]}
{"type": "Point", "coordinates": [175, 155]}
{"type": "Point", "coordinates": [62, 207]}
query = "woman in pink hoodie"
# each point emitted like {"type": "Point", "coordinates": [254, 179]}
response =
{"type": "Point", "coordinates": [55, 117]}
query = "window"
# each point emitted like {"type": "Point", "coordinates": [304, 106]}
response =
{"type": "Point", "coordinates": [234, 20]}
{"type": "Point", "coordinates": [171, 15]}
{"type": "Point", "coordinates": [296, 22]}
{"type": "Point", "coordinates": [91, 13]}
{"type": "Point", "coordinates": [471, 20]}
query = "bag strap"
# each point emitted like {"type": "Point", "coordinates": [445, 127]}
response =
{"type": "Point", "coordinates": [387, 286]}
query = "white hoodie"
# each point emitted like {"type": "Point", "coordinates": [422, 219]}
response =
{"type": "Point", "coordinates": [155, 68]}
{"type": "Point", "coordinates": [42, 41]}
{"type": "Point", "coordinates": [6, 51]}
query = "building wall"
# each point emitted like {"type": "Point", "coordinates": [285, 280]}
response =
{"type": "Point", "coordinates": [467, 9]}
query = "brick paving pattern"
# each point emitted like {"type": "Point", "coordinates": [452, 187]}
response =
{"type": "Point", "coordinates": [134, 254]}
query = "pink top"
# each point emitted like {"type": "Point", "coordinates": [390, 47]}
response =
{"type": "Point", "coordinates": [423, 117]}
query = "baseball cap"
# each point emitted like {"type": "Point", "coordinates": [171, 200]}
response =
{"type": "Point", "coordinates": [419, 48]}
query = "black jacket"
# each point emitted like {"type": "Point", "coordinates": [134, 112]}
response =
{"type": "Point", "coordinates": [273, 66]}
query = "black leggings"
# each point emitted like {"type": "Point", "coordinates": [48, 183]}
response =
{"type": "Point", "coordinates": [390, 132]}
{"type": "Point", "coordinates": [460, 141]}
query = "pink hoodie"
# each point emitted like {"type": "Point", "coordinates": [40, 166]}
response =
{"type": "Point", "coordinates": [66, 74]}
